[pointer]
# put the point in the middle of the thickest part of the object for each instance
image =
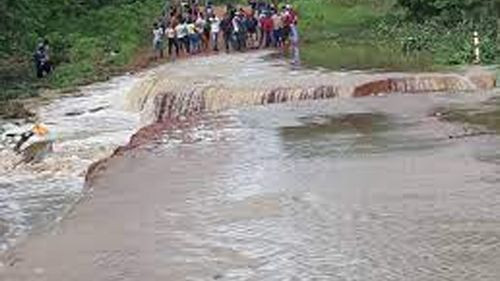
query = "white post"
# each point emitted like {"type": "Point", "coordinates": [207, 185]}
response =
{"type": "Point", "coordinates": [477, 54]}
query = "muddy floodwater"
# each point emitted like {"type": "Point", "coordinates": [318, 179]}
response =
{"type": "Point", "coordinates": [375, 188]}
{"type": "Point", "coordinates": [89, 124]}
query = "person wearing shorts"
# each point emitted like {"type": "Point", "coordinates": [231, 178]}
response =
{"type": "Point", "coordinates": [182, 36]}
{"type": "Point", "coordinates": [252, 25]}
{"type": "Point", "coordinates": [277, 29]}
{"type": "Point", "coordinates": [158, 40]}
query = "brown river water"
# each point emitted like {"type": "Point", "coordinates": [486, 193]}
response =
{"type": "Point", "coordinates": [370, 188]}
{"type": "Point", "coordinates": [374, 188]}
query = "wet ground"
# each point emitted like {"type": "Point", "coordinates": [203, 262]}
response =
{"type": "Point", "coordinates": [375, 188]}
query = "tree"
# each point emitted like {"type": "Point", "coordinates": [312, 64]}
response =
{"type": "Point", "coordinates": [450, 12]}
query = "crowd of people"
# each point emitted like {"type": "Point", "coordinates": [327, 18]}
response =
{"type": "Point", "coordinates": [193, 29]}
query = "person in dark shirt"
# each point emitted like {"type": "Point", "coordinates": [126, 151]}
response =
{"type": "Point", "coordinates": [227, 30]}
{"type": "Point", "coordinates": [252, 25]}
{"type": "Point", "coordinates": [42, 59]}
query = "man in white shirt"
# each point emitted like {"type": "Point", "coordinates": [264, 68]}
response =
{"type": "Point", "coordinates": [182, 36]}
{"type": "Point", "coordinates": [158, 40]}
{"type": "Point", "coordinates": [214, 32]}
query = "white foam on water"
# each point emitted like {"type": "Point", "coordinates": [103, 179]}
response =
{"type": "Point", "coordinates": [85, 129]}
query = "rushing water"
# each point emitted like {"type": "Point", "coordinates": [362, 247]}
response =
{"type": "Point", "coordinates": [369, 189]}
{"type": "Point", "coordinates": [86, 128]}
{"type": "Point", "coordinates": [375, 188]}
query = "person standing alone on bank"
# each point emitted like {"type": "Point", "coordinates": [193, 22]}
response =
{"type": "Point", "coordinates": [42, 59]}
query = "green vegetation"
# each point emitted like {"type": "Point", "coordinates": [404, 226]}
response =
{"type": "Point", "coordinates": [89, 40]}
{"type": "Point", "coordinates": [396, 34]}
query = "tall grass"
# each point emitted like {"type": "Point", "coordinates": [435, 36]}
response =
{"type": "Point", "coordinates": [365, 34]}
{"type": "Point", "coordinates": [85, 48]}
{"type": "Point", "coordinates": [340, 34]}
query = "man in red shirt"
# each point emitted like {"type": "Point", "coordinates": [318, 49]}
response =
{"type": "Point", "coordinates": [266, 25]}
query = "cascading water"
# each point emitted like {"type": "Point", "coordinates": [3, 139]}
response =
{"type": "Point", "coordinates": [223, 82]}
{"type": "Point", "coordinates": [89, 127]}
{"type": "Point", "coordinates": [86, 128]}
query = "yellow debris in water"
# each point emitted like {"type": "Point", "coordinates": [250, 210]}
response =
{"type": "Point", "coordinates": [40, 130]}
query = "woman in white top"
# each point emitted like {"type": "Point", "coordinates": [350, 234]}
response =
{"type": "Point", "coordinates": [172, 40]}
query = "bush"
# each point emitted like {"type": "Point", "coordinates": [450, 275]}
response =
{"type": "Point", "coordinates": [89, 39]}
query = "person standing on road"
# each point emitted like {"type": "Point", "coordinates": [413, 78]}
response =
{"type": "Point", "coordinates": [182, 36]}
{"type": "Point", "coordinates": [242, 30]}
{"type": "Point", "coordinates": [158, 40]}
{"type": "Point", "coordinates": [193, 37]}
{"type": "Point", "coordinates": [206, 33]}
{"type": "Point", "coordinates": [252, 26]}
{"type": "Point", "coordinates": [294, 42]}
{"type": "Point", "coordinates": [199, 27]}
{"type": "Point", "coordinates": [227, 31]}
{"type": "Point", "coordinates": [172, 40]}
{"type": "Point", "coordinates": [236, 26]}
{"type": "Point", "coordinates": [267, 31]}
{"type": "Point", "coordinates": [214, 32]}
{"type": "Point", "coordinates": [277, 28]}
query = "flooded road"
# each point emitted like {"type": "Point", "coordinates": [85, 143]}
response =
{"type": "Point", "coordinates": [375, 188]}
{"type": "Point", "coordinates": [90, 125]}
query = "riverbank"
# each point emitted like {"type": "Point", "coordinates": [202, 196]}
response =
{"type": "Point", "coordinates": [386, 35]}
{"type": "Point", "coordinates": [89, 42]}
